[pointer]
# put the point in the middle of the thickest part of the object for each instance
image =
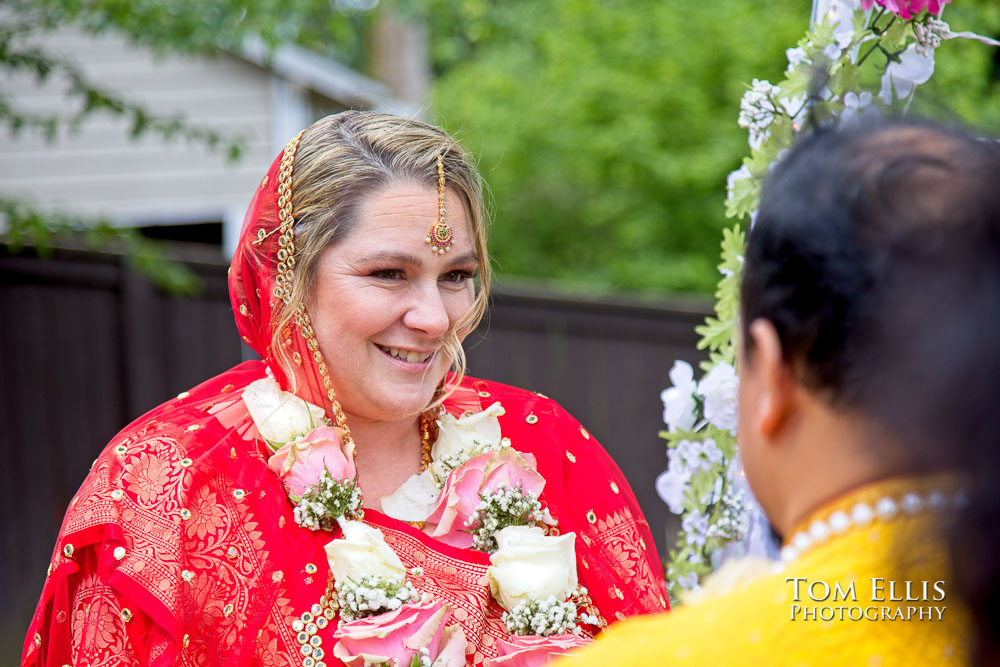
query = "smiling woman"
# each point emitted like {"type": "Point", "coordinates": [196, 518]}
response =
{"type": "Point", "coordinates": [355, 473]}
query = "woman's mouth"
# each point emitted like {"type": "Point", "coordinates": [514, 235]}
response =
{"type": "Point", "coordinates": [406, 355]}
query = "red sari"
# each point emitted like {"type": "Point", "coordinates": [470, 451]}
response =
{"type": "Point", "coordinates": [181, 548]}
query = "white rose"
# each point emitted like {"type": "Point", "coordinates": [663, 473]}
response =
{"type": "Point", "coordinates": [720, 389]}
{"type": "Point", "coordinates": [467, 436]}
{"type": "Point", "coordinates": [529, 564]}
{"type": "Point", "coordinates": [280, 416]}
{"type": "Point", "coordinates": [362, 551]}
{"type": "Point", "coordinates": [678, 401]}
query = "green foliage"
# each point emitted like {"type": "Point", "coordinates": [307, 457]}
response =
{"type": "Point", "coordinates": [26, 225]}
{"type": "Point", "coordinates": [606, 129]}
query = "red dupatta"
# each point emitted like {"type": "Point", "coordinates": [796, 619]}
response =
{"type": "Point", "coordinates": [180, 547]}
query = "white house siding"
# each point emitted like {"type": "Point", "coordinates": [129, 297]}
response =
{"type": "Point", "coordinates": [102, 171]}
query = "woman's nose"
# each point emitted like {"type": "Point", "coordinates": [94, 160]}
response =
{"type": "Point", "coordinates": [427, 312]}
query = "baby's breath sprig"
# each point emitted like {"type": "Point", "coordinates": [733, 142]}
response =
{"type": "Point", "coordinates": [550, 616]}
{"type": "Point", "coordinates": [374, 594]}
{"type": "Point", "coordinates": [499, 509]}
{"type": "Point", "coordinates": [326, 501]}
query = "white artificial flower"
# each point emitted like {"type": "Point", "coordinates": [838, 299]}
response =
{"type": "Point", "coordinates": [915, 66]}
{"type": "Point", "coordinates": [465, 437]}
{"type": "Point", "coordinates": [689, 581]}
{"type": "Point", "coordinates": [737, 175]}
{"type": "Point", "coordinates": [855, 105]}
{"type": "Point", "coordinates": [678, 401]}
{"type": "Point", "coordinates": [280, 416]}
{"type": "Point", "coordinates": [531, 565]}
{"type": "Point", "coordinates": [720, 388]}
{"type": "Point", "coordinates": [695, 527]}
{"type": "Point", "coordinates": [757, 111]}
{"type": "Point", "coordinates": [671, 485]}
{"type": "Point", "coordinates": [796, 56]}
{"type": "Point", "coordinates": [362, 551]}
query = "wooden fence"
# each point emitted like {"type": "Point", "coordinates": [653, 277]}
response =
{"type": "Point", "coordinates": [87, 345]}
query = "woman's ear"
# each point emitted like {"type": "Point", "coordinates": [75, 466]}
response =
{"type": "Point", "coordinates": [773, 382]}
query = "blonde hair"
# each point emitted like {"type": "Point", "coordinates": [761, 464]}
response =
{"type": "Point", "coordinates": [345, 157]}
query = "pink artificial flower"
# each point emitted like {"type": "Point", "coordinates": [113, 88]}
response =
{"type": "Point", "coordinates": [907, 9]}
{"type": "Point", "coordinates": [478, 475]}
{"type": "Point", "coordinates": [534, 651]}
{"type": "Point", "coordinates": [300, 462]}
{"type": "Point", "coordinates": [399, 635]}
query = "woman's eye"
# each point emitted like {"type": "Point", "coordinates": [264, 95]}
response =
{"type": "Point", "coordinates": [456, 276]}
{"type": "Point", "coordinates": [387, 274]}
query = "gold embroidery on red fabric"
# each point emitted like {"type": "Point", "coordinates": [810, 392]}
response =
{"type": "Point", "coordinates": [98, 631]}
{"type": "Point", "coordinates": [618, 538]}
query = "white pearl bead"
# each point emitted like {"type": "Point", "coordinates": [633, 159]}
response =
{"type": "Point", "coordinates": [936, 500]}
{"type": "Point", "coordinates": [839, 522]}
{"type": "Point", "coordinates": [911, 504]}
{"type": "Point", "coordinates": [887, 509]}
{"type": "Point", "coordinates": [819, 531]}
{"type": "Point", "coordinates": [862, 515]}
{"type": "Point", "coordinates": [801, 541]}
{"type": "Point", "coordinates": [788, 553]}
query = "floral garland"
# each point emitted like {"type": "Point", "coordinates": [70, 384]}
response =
{"type": "Point", "coordinates": [478, 492]}
{"type": "Point", "coordinates": [897, 39]}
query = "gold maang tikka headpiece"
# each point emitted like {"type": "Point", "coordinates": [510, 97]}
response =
{"type": "Point", "coordinates": [441, 238]}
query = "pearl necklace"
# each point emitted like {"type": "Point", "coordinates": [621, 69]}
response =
{"type": "Point", "coordinates": [863, 514]}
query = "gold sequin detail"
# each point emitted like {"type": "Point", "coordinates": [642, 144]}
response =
{"type": "Point", "coordinates": [531, 419]}
{"type": "Point", "coordinates": [484, 394]}
{"type": "Point", "coordinates": [194, 427]}
{"type": "Point", "coordinates": [119, 553]}
{"type": "Point", "coordinates": [186, 641]}
{"type": "Point", "coordinates": [239, 494]}
{"type": "Point", "coordinates": [614, 487]}
{"type": "Point", "coordinates": [277, 576]}
{"type": "Point", "coordinates": [591, 517]}
{"type": "Point", "coordinates": [228, 388]}
{"type": "Point", "coordinates": [121, 449]}
{"type": "Point", "coordinates": [117, 494]}
{"type": "Point", "coordinates": [68, 551]}
{"type": "Point", "coordinates": [584, 433]}
{"type": "Point", "coordinates": [183, 395]}
{"type": "Point", "coordinates": [227, 610]}
{"type": "Point", "coordinates": [187, 575]}
{"type": "Point", "coordinates": [126, 615]}
{"type": "Point", "coordinates": [243, 310]}
{"type": "Point", "coordinates": [186, 463]}
{"type": "Point", "coordinates": [311, 569]}
{"type": "Point", "coordinates": [38, 639]}
{"type": "Point", "coordinates": [185, 513]}
{"type": "Point", "coordinates": [232, 553]}
{"type": "Point", "coordinates": [569, 455]}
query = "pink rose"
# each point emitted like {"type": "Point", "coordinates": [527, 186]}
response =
{"type": "Point", "coordinates": [906, 9]}
{"type": "Point", "coordinates": [534, 651]}
{"type": "Point", "coordinates": [300, 463]}
{"type": "Point", "coordinates": [480, 474]}
{"type": "Point", "coordinates": [399, 635]}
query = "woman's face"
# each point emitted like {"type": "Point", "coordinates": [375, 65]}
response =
{"type": "Point", "coordinates": [383, 302]}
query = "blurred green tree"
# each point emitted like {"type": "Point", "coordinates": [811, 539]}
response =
{"type": "Point", "coordinates": [606, 128]}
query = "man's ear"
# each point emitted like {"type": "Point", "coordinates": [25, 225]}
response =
{"type": "Point", "coordinates": [775, 382]}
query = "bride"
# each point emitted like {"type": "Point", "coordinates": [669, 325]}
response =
{"type": "Point", "coordinates": [353, 497]}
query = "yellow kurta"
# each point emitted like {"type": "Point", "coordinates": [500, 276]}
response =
{"type": "Point", "coordinates": [870, 623]}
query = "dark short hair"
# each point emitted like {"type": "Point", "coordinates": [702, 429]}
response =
{"type": "Point", "coordinates": [876, 255]}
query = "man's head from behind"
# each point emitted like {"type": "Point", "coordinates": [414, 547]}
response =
{"type": "Point", "coordinates": [870, 309]}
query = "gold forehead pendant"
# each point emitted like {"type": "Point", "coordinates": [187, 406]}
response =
{"type": "Point", "coordinates": [441, 238]}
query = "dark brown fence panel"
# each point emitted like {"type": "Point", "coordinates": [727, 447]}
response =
{"type": "Point", "coordinates": [86, 346]}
